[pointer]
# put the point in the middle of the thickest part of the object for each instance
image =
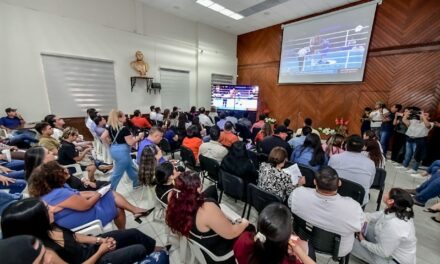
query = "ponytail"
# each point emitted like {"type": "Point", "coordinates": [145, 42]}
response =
{"type": "Point", "coordinates": [403, 204]}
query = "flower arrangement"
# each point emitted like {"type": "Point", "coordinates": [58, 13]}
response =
{"type": "Point", "coordinates": [341, 128]}
{"type": "Point", "coordinates": [326, 131]}
{"type": "Point", "coordinates": [270, 120]}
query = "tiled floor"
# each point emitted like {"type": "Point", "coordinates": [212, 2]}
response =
{"type": "Point", "coordinates": [428, 231]}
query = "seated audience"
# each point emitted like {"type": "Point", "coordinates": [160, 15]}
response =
{"type": "Point", "coordinates": [227, 136]}
{"type": "Point", "coordinates": [36, 156]}
{"type": "Point", "coordinates": [272, 178]}
{"type": "Point", "coordinates": [310, 154]}
{"type": "Point", "coordinates": [67, 153]}
{"type": "Point", "coordinates": [369, 134]}
{"type": "Point", "coordinates": [174, 121]}
{"type": "Point", "coordinates": [101, 124]}
{"type": "Point", "coordinates": [26, 249]}
{"type": "Point", "coordinates": [433, 168]}
{"type": "Point", "coordinates": [204, 118]}
{"type": "Point", "coordinates": [238, 163]}
{"type": "Point", "coordinates": [8, 198]}
{"type": "Point", "coordinates": [139, 121]}
{"type": "Point", "coordinates": [14, 185]}
{"type": "Point", "coordinates": [213, 113]}
{"type": "Point", "coordinates": [244, 121]}
{"type": "Point", "coordinates": [265, 131]}
{"type": "Point", "coordinates": [427, 190]}
{"type": "Point", "coordinates": [193, 140]}
{"type": "Point", "coordinates": [122, 246]}
{"type": "Point", "coordinates": [259, 124]}
{"type": "Point", "coordinates": [46, 139]}
{"type": "Point", "coordinates": [166, 175]}
{"type": "Point", "coordinates": [299, 140]}
{"type": "Point", "coordinates": [213, 149]}
{"type": "Point", "coordinates": [156, 116]}
{"type": "Point", "coordinates": [74, 208]}
{"type": "Point", "coordinates": [149, 160]}
{"type": "Point", "coordinates": [286, 123]}
{"type": "Point", "coordinates": [308, 122]}
{"type": "Point", "coordinates": [278, 139]}
{"type": "Point", "coordinates": [391, 236]}
{"type": "Point", "coordinates": [365, 120]}
{"type": "Point", "coordinates": [196, 122]}
{"type": "Point", "coordinates": [10, 123]}
{"type": "Point", "coordinates": [222, 121]}
{"type": "Point", "coordinates": [231, 117]}
{"type": "Point", "coordinates": [172, 137]}
{"type": "Point", "coordinates": [190, 215]}
{"type": "Point", "coordinates": [154, 137]}
{"type": "Point", "coordinates": [372, 150]}
{"type": "Point", "coordinates": [192, 113]}
{"type": "Point", "coordinates": [352, 165]}
{"type": "Point", "coordinates": [333, 145]}
{"type": "Point", "coordinates": [12, 168]}
{"type": "Point", "coordinates": [182, 125]}
{"type": "Point", "coordinates": [166, 116]}
{"type": "Point", "coordinates": [57, 125]}
{"type": "Point", "coordinates": [91, 114]}
{"type": "Point", "coordinates": [273, 241]}
{"type": "Point", "coordinates": [325, 208]}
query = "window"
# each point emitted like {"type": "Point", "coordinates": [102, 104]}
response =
{"type": "Point", "coordinates": [75, 84]}
{"type": "Point", "coordinates": [175, 88]}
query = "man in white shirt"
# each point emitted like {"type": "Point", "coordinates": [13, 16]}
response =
{"type": "Point", "coordinates": [213, 149]}
{"type": "Point", "coordinates": [204, 119]}
{"type": "Point", "coordinates": [416, 137]}
{"type": "Point", "coordinates": [325, 208]}
{"type": "Point", "coordinates": [377, 116]}
{"type": "Point", "coordinates": [156, 116]}
{"type": "Point", "coordinates": [352, 165]}
{"type": "Point", "coordinates": [307, 122]}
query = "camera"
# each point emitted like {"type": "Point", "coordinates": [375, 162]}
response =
{"type": "Point", "coordinates": [414, 114]}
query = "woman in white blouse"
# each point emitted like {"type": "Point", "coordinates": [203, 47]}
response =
{"type": "Point", "coordinates": [390, 236]}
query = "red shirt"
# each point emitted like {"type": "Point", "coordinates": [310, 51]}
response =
{"type": "Point", "coordinates": [193, 144]}
{"type": "Point", "coordinates": [140, 122]}
{"type": "Point", "coordinates": [243, 248]}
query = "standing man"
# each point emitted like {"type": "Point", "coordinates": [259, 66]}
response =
{"type": "Point", "coordinates": [387, 127]}
{"type": "Point", "coordinates": [377, 116]}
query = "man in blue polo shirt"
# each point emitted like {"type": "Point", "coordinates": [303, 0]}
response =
{"type": "Point", "coordinates": [154, 137]}
{"type": "Point", "coordinates": [12, 121]}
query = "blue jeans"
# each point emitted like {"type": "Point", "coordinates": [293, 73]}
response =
{"type": "Point", "coordinates": [22, 136]}
{"type": "Point", "coordinates": [15, 174]}
{"type": "Point", "coordinates": [429, 189]}
{"type": "Point", "coordinates": [17, 187]}
{"type": "Point", "coordinates": [13, 165]}
{"type": "Point", "coordinates": [416, 146]}
{"type": "Point", "coordinates": [435, 166]}
{"type": "Point", "coordinates": [385, 136]}
{"type": "Point", "coordinates": [123, 163]}
{"type": "Point", "coordinates": [8, 198]}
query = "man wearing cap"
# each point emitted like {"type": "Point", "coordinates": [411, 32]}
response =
{"type": "Point", "coordinates": [12, 121]}
{"type": "Point", "coordinates": [278, 139]}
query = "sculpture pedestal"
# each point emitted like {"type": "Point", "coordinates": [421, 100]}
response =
{"type": "Point", "coordinates": [148, 82]}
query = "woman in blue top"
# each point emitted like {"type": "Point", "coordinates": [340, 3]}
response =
{"type": "Point", "coordinates": [310, 154]}
{"type": "Point", "coordinates": [74, 208]}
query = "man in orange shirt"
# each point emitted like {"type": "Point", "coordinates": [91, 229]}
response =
{"type": "Point", "coordinates": [139, 121]}
{"type": "Point", "coordinates": [227, 137]}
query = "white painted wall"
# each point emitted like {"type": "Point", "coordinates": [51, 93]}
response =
{"type": "Point", "coordinates": [106, 29]}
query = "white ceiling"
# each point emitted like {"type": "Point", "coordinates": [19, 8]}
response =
{"type": "Point", "coordinates": [289, 10]}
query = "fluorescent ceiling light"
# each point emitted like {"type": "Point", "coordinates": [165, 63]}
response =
{"type": "Point", "coordinates": [216, 7]}
{"type": "Point", "coordinates": [219, 8]}
{"type": "Point", "coordinates": [206, 3]}
{"type": "Point", "coordinates": [236, 16]}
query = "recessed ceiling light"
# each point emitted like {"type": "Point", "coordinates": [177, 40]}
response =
{"type": "Point", "coordinates": [236, 16]}
{"type": "Point", "coordinates": [216, 7]}
{"type": "Point", "coordinates": [226, 12]}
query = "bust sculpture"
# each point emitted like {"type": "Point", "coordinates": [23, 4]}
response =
{"type": "Point", "coordinates": [139, 64]}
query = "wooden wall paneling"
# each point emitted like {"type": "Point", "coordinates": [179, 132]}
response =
{"type": "Point", "coordinates": [402, 67]}
{"type": "Point", "coordinates": [79, 123]}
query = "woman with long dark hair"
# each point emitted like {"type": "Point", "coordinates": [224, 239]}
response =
{"type": "Point", "coordinates": [265, 131]}
{"type": "Point", "coordinates": [390, 237]}
{"type": "Point", "coordinates": [310, 154]}
{"type": "Point", "coordinates": [190, 215]}
{"type": "Point", "coordinates": [182, 125]}
{"type": "Point", "coordinates": [166, 175]}
{"type": "Point", "coordinates": [147, 165]}
{"type": "Point", "coordinates": [47, 182]}
{"type": "Point", "coordinates": [33, 217]}
{"type": "Point", "coordinates": [372, 150]}
{"type": "Point", "coordinates": [273, 243]}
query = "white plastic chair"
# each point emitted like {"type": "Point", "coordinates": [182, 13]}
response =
{"type": "Point", "coordinates": [197, 249]}
{"type": "Point", "coordinates": [78, 171]}
{"type": "Point", "coordinates": [93, 228]}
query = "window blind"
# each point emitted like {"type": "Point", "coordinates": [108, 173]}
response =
{"type": "Point", "coordinates": [75, 84]}
{"type": "Point", "coordinates": [175, 88]}
{"type": "Point", "coordinates": [221, 79]}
